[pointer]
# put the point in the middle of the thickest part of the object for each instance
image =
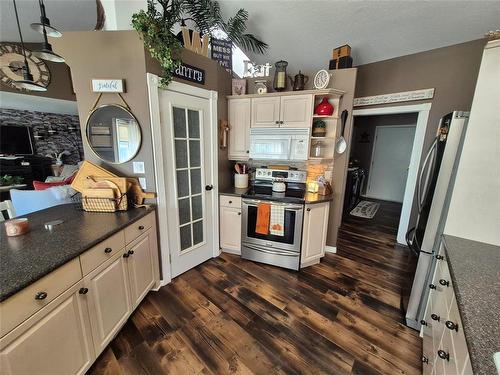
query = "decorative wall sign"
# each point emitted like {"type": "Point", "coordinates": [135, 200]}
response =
{"type": "Point", "coordinates": [405, 96]}
{"type": "Point", "coordinates": [107, 85]}
{"type": "Point", "coordinates": [222, 51]}
{"type": "Point", "coordinates": [190, 73]}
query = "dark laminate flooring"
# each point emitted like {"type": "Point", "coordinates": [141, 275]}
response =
{"type": "Point", "coordinates": [231, 316]}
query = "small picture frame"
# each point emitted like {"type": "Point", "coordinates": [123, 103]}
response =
{"type": "Point", "coordinates": [239, 86]}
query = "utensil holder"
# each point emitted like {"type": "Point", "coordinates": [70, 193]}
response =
{"type": "Point", "coordinates": [241, 181]}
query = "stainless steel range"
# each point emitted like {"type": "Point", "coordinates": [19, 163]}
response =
{"type": "Point", "coordinates": [283, 251]}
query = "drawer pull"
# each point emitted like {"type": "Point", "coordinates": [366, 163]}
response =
{"type": "Point", "coordinates": [83, 291]}
{"type": "Point", "coordinates": [130, 252]}
{"type": "Point", "coordinates": [108, 250]}
{"type": "Point", "coordinates": [126, 255]}
{"type": "Point", "coordinates": [444, 282]}
{"type": "Point", "coordinates": [423, 322]}
{"type": "Point", "coordinates": [425, 359]}
{"type": "Point", "coordinates": [141, 227]}
{"type": "Point", "coordinates": [230, 202]}
{"type": "Point", "coordinates": [308, 210]}
{"type": "Point", "coordinates": [450, 325]}
{"type": "Point", "coordinates": [439, 257]}
{"type": "Point", "coordinates": [239, 213]}
{"type": "Point", "coordinates": [443, 355]}
{"type": "Point", "coordinates": [435, 317]}
{"type": "Point", "coordinates": [40, 296]}
{"type": "Point", "coordinates": [432, 286]}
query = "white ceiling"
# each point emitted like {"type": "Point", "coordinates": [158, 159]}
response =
{"type": "Point", "coordinates": [65, 15]}
{"type": "Point", "coordinates": [305, 32]}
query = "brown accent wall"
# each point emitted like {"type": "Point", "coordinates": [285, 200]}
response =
{"type": "Point", "coordinates": [60, 86]}
{"type": "Point", "coordinates": [451, 70]}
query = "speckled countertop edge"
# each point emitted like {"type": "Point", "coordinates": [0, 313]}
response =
{"type": "Point", "coordinates": [474, 270]}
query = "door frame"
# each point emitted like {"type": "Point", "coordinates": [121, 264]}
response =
{"type": "Point", "coordinates": [157, 133]}
{"type": "Point", "coordinates": [373, 153]}
{"type": "Point", "coordinates": [422, 111]}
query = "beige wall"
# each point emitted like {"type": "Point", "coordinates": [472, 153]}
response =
{"type": "Point", "coordinates": [452, 71]}
{"type": "Point", "coordinates": [121, 54]}
{"type": "Point", "coordinates": [60, 81]}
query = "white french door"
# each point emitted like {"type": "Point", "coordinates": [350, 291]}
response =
{"type": "Point", "coordinates": [187, 162]}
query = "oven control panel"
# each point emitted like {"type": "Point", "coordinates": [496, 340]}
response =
{"type": "Point", "coordinates": [287, 175]}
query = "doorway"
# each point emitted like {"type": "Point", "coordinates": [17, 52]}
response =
{"type": "Point", "coordinates": [185, 151]}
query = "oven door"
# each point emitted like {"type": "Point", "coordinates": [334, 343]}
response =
{"type": "Point", "coordinates": [292, 237]}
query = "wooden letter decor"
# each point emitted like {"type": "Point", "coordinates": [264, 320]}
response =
{"type": "Point", "coordinates": [195, 43]}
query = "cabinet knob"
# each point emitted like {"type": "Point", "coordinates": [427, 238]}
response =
{"type": "Point", "coordinates": [130, 252]}
{"type": "Point", "coordinates": [126, 255]}
{"type": "Point", "coordinates": [444, 282]}
{"type": "Point", "coordinates": [439, 257]}
{"type": "Point", "coordinates": [425, 359]}
{"type": "Point", "coordinates": [308, 209]}
{"type": "Point", "coordinates": [141, 227]}
{"type": "Point", "coordinates": [450, 325]}
{"type": "Point", "coordinates": [432, 286]}
{"type": "Point", "coordinates": [423, 322]}
{"type": "Point", "coordinates": [108, 250]}
{"type": "Point", "coordinates": [277, 122]}
{"type": "Point", "coordinates": [239, 213]}
{"type": "Point", "coordinates": [230, 202]}
{"type": "Point", "coordinates": [435, 317]}
{"type": "Point", "coordinates": [40, 295]}
{"type": "Point", "coordinates": [443, 355]}
{"type": "Point", "coordinates": [248, 151]}
{"type": "Point", "coordinates": [83, 291]}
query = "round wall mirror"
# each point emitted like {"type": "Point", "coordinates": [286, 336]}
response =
{"type": "Point", "coordinates": [113, 133]}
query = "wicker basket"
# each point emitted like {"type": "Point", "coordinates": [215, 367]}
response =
{"type": "Point", "coordinates": [91, 203]}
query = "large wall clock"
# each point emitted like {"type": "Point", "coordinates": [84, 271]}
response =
{"type": "Point", "coordinates": [12, 62]}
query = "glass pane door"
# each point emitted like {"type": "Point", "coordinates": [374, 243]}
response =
{"type": "Point", "coordinates": [188, 146]}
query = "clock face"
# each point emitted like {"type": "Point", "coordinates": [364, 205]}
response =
{"type": "Point", "coordinates": [12, 62]}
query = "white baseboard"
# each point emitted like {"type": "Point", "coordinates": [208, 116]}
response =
{"type": "Point", "coordinates": [331, 249]}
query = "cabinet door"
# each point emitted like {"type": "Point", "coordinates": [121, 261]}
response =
{"type": "Point", "coordinates": [239, 133]}
{"type": "Point", "coordinates": [230, 229]}
{"type": "Point", "coordinates": [314, 233]}
{"type": "Point", "coordinates": [266, 112]}
{"type": "Point", "coordinates": [296, 111]}
{"type": "Point", "coordinates": [108, 299]}
{"type": "Point", "coordinates": [140, 267]}
{"type": "Point", "coordinates": [56, 340]}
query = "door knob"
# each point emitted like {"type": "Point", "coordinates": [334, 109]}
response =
{"type": "Point", "coordinates": [209, 187]}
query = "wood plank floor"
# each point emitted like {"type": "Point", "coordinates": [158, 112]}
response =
{"type": "Point", "coordinates": [231, 316]}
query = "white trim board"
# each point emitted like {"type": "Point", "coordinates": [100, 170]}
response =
{"type": "Point", "coordinates": [395, 97]}
{"type": "Point", "coordinates": [12, 100]}
{"type": "Point", "coordinates": [331, 249]}
{"type": "Point", "coordinates": [158, 138]}
{"type": "Point", "coordinates": [416, 153]}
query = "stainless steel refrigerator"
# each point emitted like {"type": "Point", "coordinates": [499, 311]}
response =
{"type": "Point", "coordinates": [434, 188]}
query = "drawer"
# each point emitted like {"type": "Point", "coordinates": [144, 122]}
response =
{"type": "Point", "coordinates": [230, 201]}
{"type": "Point", "coordinates": [457, 336]}
{"type": "Point", "coordinates": [139, 227]}
{"type": "Point", "coordinates": [23, 304]}
{"type": "Point", "coordinates": [101, 252]}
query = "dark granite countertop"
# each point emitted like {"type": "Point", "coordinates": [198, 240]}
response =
{"type": "Point", "coordinates": [475, 274]}
{"type": "Point", "coordinates": [235, 192]}
{"type": "Point", "coordinates": [25, 259]}
{"type": "Point", "coordinates": [312, 198]}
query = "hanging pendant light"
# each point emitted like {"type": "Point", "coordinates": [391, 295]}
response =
{"type": "Point", "coordinates": [27, 82]}
{"type": "Point", "coordinates": [44, 25]}
{"type": "Point", "coordinates": [46, 53]}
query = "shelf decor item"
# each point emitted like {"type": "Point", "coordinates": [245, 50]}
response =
{"type": "Point", "coordinates": [321, 79]}
{"type": "Point", "coordinates": [280, 75]}
{"type": "Point", "coordinates": [318, 128]}
{"type": "Point", "coordinates": [261, 86]}
{"type": "Point", "coordinates": [341, 58]}
{"type": "Point", "coordinates": [299, 81]}
{"type": "Point", "coordinates": [324, 108]}
{"type": "Point", "coordinates": [239, 86]}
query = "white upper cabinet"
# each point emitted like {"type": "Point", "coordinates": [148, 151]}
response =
{"type": "Point", "coordinates": [239, 133]}
{"type": "Point", "coordinates": [296, 111]}
{"type": "Point", "coordinates": [266, 112]}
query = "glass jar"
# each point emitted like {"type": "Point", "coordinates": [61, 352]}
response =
{"type": "Point", "coordinates": [317, 149]}
{"type": "Point", "coordinates": [280, 75]}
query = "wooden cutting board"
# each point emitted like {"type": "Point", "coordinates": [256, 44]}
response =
{"type": "Point", "coordinates": [88, 169]}
{"type": "Point", "coordinates": [136, 192]}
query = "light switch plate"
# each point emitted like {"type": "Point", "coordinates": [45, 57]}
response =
{"type": "Point", "coordinates": [138, 167]}
{"type": "Point", "coordinates": [142, 182]}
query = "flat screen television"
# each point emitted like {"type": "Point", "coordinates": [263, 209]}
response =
{"type": "Point", "coordinates": [15, 140]}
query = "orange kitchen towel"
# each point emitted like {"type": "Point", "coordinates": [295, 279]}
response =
{"type": "Point", "coordinates": [263, 218]}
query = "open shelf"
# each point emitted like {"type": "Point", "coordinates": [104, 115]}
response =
{"type": "Point", "coordinates": [323, 138]}
{"type": "Point", "coordinates": [314, 158]}
{"type": "Point", "coordinates": [328, 117]}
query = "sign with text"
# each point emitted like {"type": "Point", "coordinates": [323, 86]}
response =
{"type": "Point", "coordinates": [190, 73]}
{"type": "Point", "coordinates": [107, 85]}
{"type": "Point", "coordinates": [396, 97]}
{"type": "Point", "coordinates": [222, 51]}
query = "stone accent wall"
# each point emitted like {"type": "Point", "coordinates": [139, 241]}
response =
{"type": "Point", "coordinates": [48, 144]}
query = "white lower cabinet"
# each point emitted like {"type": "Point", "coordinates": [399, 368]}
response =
{"type": "Point", "coordinates": [54, 341]}
{"type": "Point", "coordinates": [230, 224]}
{"type": "Point", "coordinates": [314, 233]}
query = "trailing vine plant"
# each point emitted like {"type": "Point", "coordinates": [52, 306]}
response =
{"type": "Point", "coordinates": [156, 29]}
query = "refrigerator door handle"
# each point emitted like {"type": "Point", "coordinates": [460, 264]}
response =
{"type": "Point", "coordinates": [420, 196]}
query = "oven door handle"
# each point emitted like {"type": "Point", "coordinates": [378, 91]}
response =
{"type": "Point", "coordinates": [285, 253]}
{"type": "Point", "coordinates": [288, 206]}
